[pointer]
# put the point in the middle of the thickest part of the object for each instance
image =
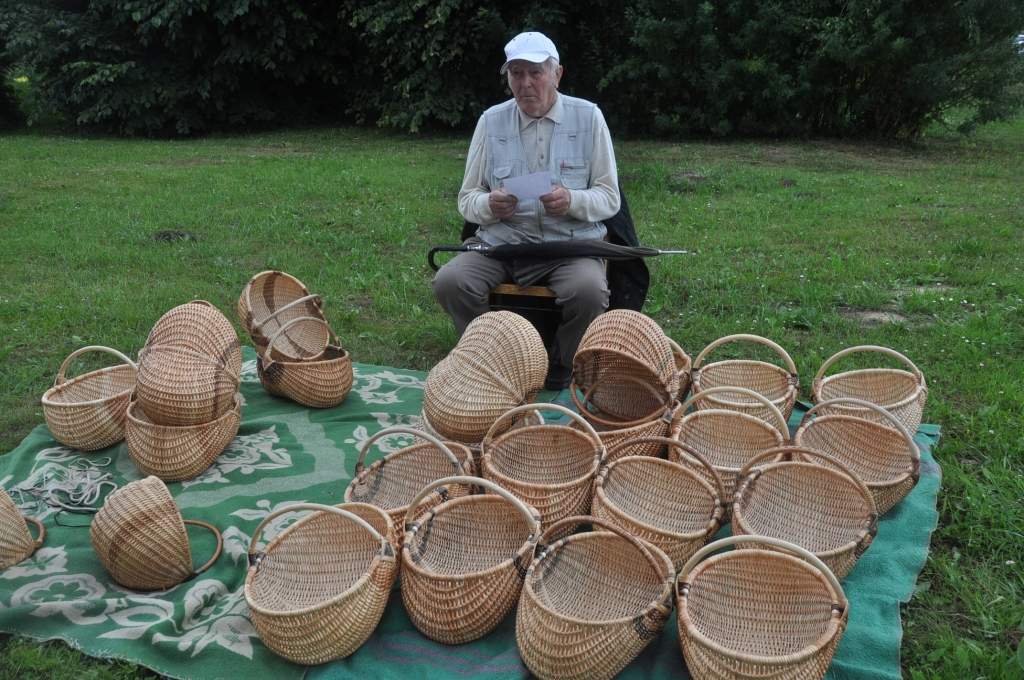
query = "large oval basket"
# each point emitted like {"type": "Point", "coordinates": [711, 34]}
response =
{"type": "Point", "coordinates": [16, 543]}
{"type": "Point", "coordinates": [88, 412]}
{"type": "Point", "coordinates": [902, 393]}
{"type": "Point", "coordinates": [318, 590]}
{"type": "Point", "coordinates": [884, 457]}
{"type": "Point", "coordinates": [463, 561]}
{"type": "Point", "coordinates": [778, 384]}
{"type": "Point", "coordinates": [758, 613]}
{"type": "Point", "coordinates": [177, 386]}
{"type": "Point", "coordinates": [140, 537]}
{"type": "Point", "coordinates": [823, 508]}
{"type": "Point", "coordinates": [199, 327]}
{"type": "Point", "coordinates": [318, 383]}
{"type": "Point", "coordinates": [591, 602]}
{"type": "Point", "coordinates": [273, 299]}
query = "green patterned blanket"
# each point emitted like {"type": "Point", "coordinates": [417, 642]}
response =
{"type": "Point", "coordinates": [285, 454]}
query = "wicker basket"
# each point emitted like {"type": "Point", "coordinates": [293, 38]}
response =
{"type": "Point", "coordinates": [759, 613]}
{"type": "Point", "coordinates": [684, 365]}
{"type": "Point", "coordinates": [727, 438]}
{"type": "Point", "coordinates": [317, 383]}
{"type": "Point", "coordinates": [464, 560]}
{"type": "Point", "coordinates": [16, 543]}
{"type": "Point", "coordinates": [825, 509]}
{"type": "Point", "coordinates": [199, 327]}
{"type": "Point", "coordinates": [779, 385]}
{"type": "Point", "coordinates": [174, 453]}
{"type": "Point", "coordinates": [901, 393]}
{"type": "Point", "coordinates": [318, 590]}
{"type": "Point", "coordinates": [616, 391]}
{"type": "Point", "coordinates": [666, 504]}
{"type": "Point", "coordinates": [499, 363]}
{"type": "Point", "coordinates": [392, 482]}
{"type": "Point", "coordinates": [272, 299]}
{"type": "Point", "coordinates": [550, 467]}
{"type": "Point", "coordinates": [642, 438]}
{"type": "Point", "coordinates": [88, 412]}
{"type": "Point", "coordinates": [884, 457]}
{"type": "Point", "coordinates": [626, 366]}
{"type": "Point", "coordinates": [177, 386]}
{"type": "Point", "coordinates": [590, 603]}
{"type": "Point", "coordinates": [140, 537]}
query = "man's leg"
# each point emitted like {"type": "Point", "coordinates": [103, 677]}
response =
{"type": "Point", "coordinates": [463, 286]}
{"type": "Point", "coordinates": [581, 289]}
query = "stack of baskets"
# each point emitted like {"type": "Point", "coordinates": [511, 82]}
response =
{"type": "Point", "coordinates": [296, 358]}
{"type": "Point", "coordinates": [186, 407]}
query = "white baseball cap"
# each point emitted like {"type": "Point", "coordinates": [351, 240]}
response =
{"type": "Point", "coordinates": [529, 46]}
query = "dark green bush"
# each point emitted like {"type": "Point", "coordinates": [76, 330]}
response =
{"type": "Point", "coordinates": [10, 113]}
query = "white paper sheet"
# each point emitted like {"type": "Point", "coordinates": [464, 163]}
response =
{"type": "Point", "coordinates": [534, 185]}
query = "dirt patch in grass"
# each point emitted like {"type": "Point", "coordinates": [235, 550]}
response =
{"type": "Point", "coordinates": [872, 318]}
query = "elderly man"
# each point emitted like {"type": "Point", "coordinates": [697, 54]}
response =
{"type": "Point", "coordinates": [539, 129]}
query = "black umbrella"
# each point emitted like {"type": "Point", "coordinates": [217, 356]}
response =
{"type": "Point", "coordinates": [553, 250]}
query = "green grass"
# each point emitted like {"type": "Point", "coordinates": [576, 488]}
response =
{"type": "Point", "coordinates": [796, 241]}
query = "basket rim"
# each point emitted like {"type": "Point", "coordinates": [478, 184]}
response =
{"type": "Point", "coordinates": [47, 400]}
{"type": "Point", "coordinates": [920, 389]}
{"type": "Point", "coordinates": [668, 415]}
{"type": "Point", "coordinates": [667, 583]}
{"type": "Point", "coordinates": [834, 626]}
{"type": "Point", "coordinates": [486, 464]}
{"type": "Point", "coordinates": [235, 410]}
{"type": "Point", "coordinates": [697, 386]}
{"type": "Point", "coordinates": [748, 418]}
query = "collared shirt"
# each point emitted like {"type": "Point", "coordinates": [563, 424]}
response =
{"type": "Point", "coordinates": [598, 202]}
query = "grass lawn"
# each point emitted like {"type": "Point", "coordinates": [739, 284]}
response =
{"type": "Point", "coordinates": [817, 245]}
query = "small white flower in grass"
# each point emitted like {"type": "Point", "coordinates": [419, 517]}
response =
{"type": "Point", "coordinates": [1009, 563]}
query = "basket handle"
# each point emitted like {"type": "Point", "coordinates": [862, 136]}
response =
{"type": "Point", "coordinates": [294, 303]}
{"type": "Point", "coordinates": [821, 455]}
{"type": "Point", "coordinates": [677, 350]}
{"type": "Point", "coordinates": [918, 375]}
{"type": "Point", "coordinates": [608, 526]}
{"type": "Point", "coordinates": [267, 356]}
{"type": "Point", "coordinates": [741, 337]}
{"type": "Point", "coordinates": [782, 546]}
{"type": "Point", "coordinates": [531, 515]}
{"type": "Point", "coordinates": [897, 425]}
{"type": "Point", "coordinates": [780, 423]}
{"type": "Point", "coordinates": [254, 557]}
{"type": "Point", "coordinates": [581, 406]}
{"type": "Point", "coordinates": [40, 529]}
{"type": "Point", "coordinates": [216, 552]}
{"type": "Point", "coordinates": [198, 355]}
{"type": "Point", "coordinates": [587, 427]}
{"type": "Point", "coordinates": [60, 379]}
{"type": "Point", "coordinates": [719, 485]}
{"type": "Point", "coordinates": [401, 429]}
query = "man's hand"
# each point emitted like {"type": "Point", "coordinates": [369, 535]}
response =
{"type": "Point", "coordinates": [556, 202]}
{"type": "Point", "coordinates": [502, 204]}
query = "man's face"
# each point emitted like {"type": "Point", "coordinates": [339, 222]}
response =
{"type": "Point", "coordinates": [534, 86]}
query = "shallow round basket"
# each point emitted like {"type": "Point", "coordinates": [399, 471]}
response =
{"type": "Point", "coordinates": [88, 412]}
{"type": "Point", "coordinates": [176, 386]}
{"type": "Point", "coordinates": [140, 537]}
{"type": "Point", "coordinates": [392, 482]}
{"type": "Point", "coordinates": [727, 438]}
{"type": "Point", "coordinates": [199, 327]}
{"type": "Point", "coordinates": [683, 367]}
{"type": "Point", "coordinates": [318, 590]}
{"type": "Point", "coordinates": [901, 393]}
{"type": "Point", "coordinates": [637, 439]}
{"type": "Point", "coordinates": [663, 503]}
{"type": "Point", "coordinates": [591, 602]}
{"type": "Point", "coordinates": [318, 383]}
{"type": "Point", "coordinates": [175, 453]}
{"type": "Point", "coordinates": [776, 383]}
{"type": "Point", "coordinates": [815, 502]}
{"type": "Point", "coordinates": [272, 299]}
{"type": "Point", "coordinates": [550, 467]}
{"type": "Point", "coordinates": [463, 561]}
{"type": "Point", "coordinates": [16, 543]}
{"type": "Point", "coordinates": [884, 457]}
{"type": "Point", "coordinates": [758, 613]}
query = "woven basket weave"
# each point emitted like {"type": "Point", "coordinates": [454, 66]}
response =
{"type": "Point", "coordinates": [177, 386]}
{"type": "Point", "coordinates": [16, 543]}
{"type": "Point", "coordinates": [823, 508]}
{"type": "Point", "coordinates": [272, 299]}
{"type": "Point", "coordinates": [758, 613]}
{"type": "Point", "coordinates": [318, 383]}
{"type": "Point", "coordinates": [590, 603]}
{"type": "Point", "coordinates": [140, 537]}
{"type": "Point", "coordinates": [318, 590]}
{"type": "Point", "coordinates": [550, 467]}
{"type": "Point", "coordinates": [901, 393]}
{"type": "Point", "coordinates": [884, 457]}
{"type": "Point", "coordinates": [463, 561]}
{"type": "Point", "coordinates": [727, 438]}
{"type": "Point", "coordinates": [392, 482]}
{"type": "Point", "coordinates": [88, 412]}
{"type": "Point", "coordinates": [638, 437]}
{"type": "Point", "coordinates": [666, 504]}
{"type": "Point", "coordinates": [199, 327]}
{"type": "Point", "coordinates": [500, 362]}
{"type": "Point", "coordinates": [174, 453]}
{"type": "Point", "coordinates": [779, 385]}
{"type": "Point", "coordinates": [684, 365]}
{"type": "Point", "coordinates": [622, 394]}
